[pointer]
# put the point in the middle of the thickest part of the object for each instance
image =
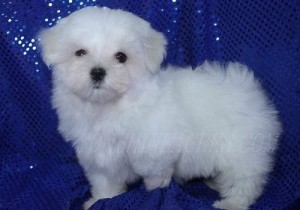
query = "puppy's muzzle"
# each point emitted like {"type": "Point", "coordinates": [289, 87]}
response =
{"type": "Point", "coordinates": [97, 74]}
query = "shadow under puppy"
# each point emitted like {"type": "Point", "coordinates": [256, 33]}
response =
{"type": "Point", "coordinates": [127, 119]}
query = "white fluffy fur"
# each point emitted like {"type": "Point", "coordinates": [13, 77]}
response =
{"type": "Point", "coordinates": [214, 122]}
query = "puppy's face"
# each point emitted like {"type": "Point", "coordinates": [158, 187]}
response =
{"type": "Point", "coordinates": [100, 54]}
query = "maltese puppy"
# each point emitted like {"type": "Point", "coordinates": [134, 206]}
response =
{"type": "Point", "coordinates": [127, 119]}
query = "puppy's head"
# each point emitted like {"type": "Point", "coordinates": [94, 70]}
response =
{"type": "Point", "coordinates": [100, 53]}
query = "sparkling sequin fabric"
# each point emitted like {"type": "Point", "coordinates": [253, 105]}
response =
{"type": "Point", "coordinates": [39, 170]}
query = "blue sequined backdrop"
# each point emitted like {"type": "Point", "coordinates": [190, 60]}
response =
{"type": "Point", "coordinates": [40, 171]}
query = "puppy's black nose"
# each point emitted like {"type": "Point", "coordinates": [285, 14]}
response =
{"type": "Point", "coordinates": [97, 74]}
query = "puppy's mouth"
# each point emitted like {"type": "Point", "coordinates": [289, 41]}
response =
{"type": "Point", "coordinates": [97, 85]}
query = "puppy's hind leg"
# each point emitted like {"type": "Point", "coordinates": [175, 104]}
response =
{"type": "Point", "coordinates": [238, 188]}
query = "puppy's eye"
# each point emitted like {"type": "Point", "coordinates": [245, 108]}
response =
{"type": "Point", "coordinates": [80, 52]}
{"type": "Point", "coordinates": [121, 57]}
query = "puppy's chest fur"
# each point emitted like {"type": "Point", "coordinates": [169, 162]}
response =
{"type": "Point", "coordinates": [117, 135]}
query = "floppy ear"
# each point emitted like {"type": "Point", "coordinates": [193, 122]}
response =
{"type": "Point", "coordinates": [49, 43]}
{"type": "Point", "coordinates": [154, 44]}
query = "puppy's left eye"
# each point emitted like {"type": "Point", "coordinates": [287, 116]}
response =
{"type": "Point", "coordinates": [80, 52]}
{"type": "Point", "coordinates": [121, 57]}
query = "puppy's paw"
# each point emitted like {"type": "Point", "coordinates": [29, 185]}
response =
{"type": "Point", "coordinates": [152, 183]}
{"type": "Point", "coordinates": [89, 203]}
{"type": "Point", "coordinates": [228, 204]}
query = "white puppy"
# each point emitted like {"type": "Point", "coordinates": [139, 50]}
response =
{"type": "Point", "coordinates": [129, 120]}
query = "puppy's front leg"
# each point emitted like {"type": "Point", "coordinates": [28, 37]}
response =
{"type": "Point", "coordinates": [159, 167]}
{"type": "Point", "coordinates": [103, 186]}
{"type": "Point", "coordinates": [159, 175]}
{"type": "Point", "coordinates": [157, 181]}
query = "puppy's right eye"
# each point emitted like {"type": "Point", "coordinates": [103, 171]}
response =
{"type": "Point", "coordinates": [80, 52]}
